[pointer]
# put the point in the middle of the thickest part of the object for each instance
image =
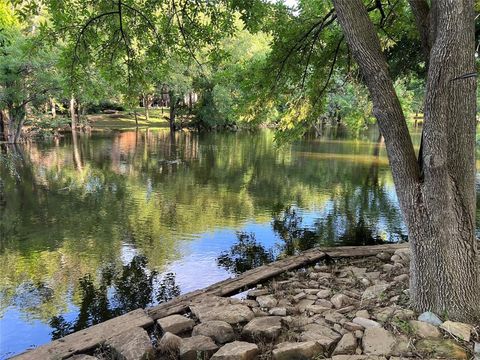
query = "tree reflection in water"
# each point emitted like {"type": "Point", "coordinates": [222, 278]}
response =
{"type": "Point", "coordinates": [118, 293]}
{"type": "Point", "coordinates": [350, 226]}
{"type": "Point", "coordinates": [245, 254]}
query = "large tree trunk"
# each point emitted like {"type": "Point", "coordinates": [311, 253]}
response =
{"type": "Point", "coordinates": [437, 198]}
{"type": "Point", "coordinates": [16, 118]}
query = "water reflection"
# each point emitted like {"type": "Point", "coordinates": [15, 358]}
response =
{"type": "Point", "coordinates": [116, 294]}
{"type": "Point", "coordinates": [247, 253]}
{"type": "Point", "coordinates": [78, 215]}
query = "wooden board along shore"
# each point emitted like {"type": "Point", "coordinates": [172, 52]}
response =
{"type": "Point", "coordinates": [89, 338]}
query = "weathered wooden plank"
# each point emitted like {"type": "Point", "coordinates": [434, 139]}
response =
{"type": "Point", "coordinates": [89, 338]}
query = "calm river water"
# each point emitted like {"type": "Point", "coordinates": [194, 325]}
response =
{"type": "Point", "coordinates": [96, 227]}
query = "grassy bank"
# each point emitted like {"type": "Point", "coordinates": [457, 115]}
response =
{"type": "Point", "coordinates": [126, 119]}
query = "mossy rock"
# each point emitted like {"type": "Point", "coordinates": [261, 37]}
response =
{"type": "Point", "coordinates": [442, 348]}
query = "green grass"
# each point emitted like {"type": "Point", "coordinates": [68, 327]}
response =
{"type": "Point", "coordinates": [126, 119]}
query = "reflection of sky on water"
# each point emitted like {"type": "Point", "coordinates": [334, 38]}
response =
{"type": "Point", "coordinates": [198, 267]}
{"type": "Point", "coordinates": [20, 333]}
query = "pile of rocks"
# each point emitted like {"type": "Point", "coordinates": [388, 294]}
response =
{"type": "Point", "coordinates": [348, 310]}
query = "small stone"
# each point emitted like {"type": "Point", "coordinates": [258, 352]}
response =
{"type": "Point", "coordinates": [284, 303]}
{"type": "Point", "coordinates": [352, 294]}
{"type": "Point", "coordinates": [378, 341]}
{"type": "Point", "coordinates": [403, 314]}
{"type": "Point", "coordinates": [366, 323]}
{"type": "Point", "coordinates": [169, 344]}
{"type": "Point", "coordinates": [396, 258]}
{"type": "Point", "coordinates": [384, 314]}
{"type": "Point", "coordinates": [257, 312]}
{"type": "Point", "coordinates": [304, 304]}
{"type": "Point", "coordinates": [317, 309]}
{"type": "Point", "coordinates": [267, 301]}
{"type": "Point", "coordinates": [441, 348]}
{"type": "Point", "coordinates": [394, 299]}
{"type": "Point", "coordinates": [132, 344]}
{"type": "Point", "coordinates": [404, 254]}
{"type": "Point", "coordinates": [324, 302]}
{"type": "Point", "coordinates": [366, 282]}
{"type": "Point", "coordinates": [356, 271]}
{"type": "Point", "coordinates": [363, 314]}
{"type": "Point", "coordinates": [296, 350]}
{"type": "Point", "coordinates": [374, 291]}
{"type": "Point", "coordinates": [346, 309]}
{"type": "Point", "coordinates": [176, 324]}
{"type": "Point", "coordinates": [299, 296]}
{"type": "Point", "coordinates": [346, 345]}
{"type": "Point", "coordinates": [340, 300]}
{"type": "Point", "coordinates": [300, 321]}
{"type": "Point", "coordinates": [278, 311]}
{"type": "Point", "coordinates": [387, 267]}
{"type": "Point", "coordinates": [310, 291]}
{"type": "Point", "coordinates": [324, 275]}
{"type": "Point", "coordinates": [82, 357]}
{"type": "Point", "coordinates": [220, 331]}
{"type": "Point", "coordinates": [197, 347]}
{"type": "Point", "coordinates": [458, 329]}
{"type": "Point", "coordinates": [334, 317]}
{"type": "Point", "coordinates": [268, 327]}
{"type": "Point", "coordinates": [350, 326]}
{"type": "Point", "coordinates": [384, 256]}
{"type": "Point", "coordinates": [237, 350]}
{"type": "Point", "coordinates": [373, 275]}
{"type": "Point", "coordinates": [324, 341]}
{"type": "Point", "coordinates": [323, 331]}
{"type": "Point", "coordinates": [424, 330]}
{"type": "Point", "coordinates": [323, 294]}
{"type": "Point", "coordinates": [232, 314]}
{"type": "Point", "coordinates": [401, 278]}
{"type": "Point", "coordinates": [430, 318]}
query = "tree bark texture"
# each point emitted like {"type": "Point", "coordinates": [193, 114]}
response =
{"type": "Point", "coordinates": [439, 205]}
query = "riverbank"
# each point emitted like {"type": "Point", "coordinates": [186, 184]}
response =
{"type": "Point", "coordinates": [332, 307]}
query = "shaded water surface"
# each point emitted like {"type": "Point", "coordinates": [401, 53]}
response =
{"type": "Point", "coordinates": [96, 227]}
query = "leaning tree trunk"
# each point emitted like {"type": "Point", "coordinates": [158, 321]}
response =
{"type": "Point", "coordinates": [437, 198]}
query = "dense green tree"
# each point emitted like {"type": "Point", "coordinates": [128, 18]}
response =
{"type": "Point", "coordinates": [28, 73]}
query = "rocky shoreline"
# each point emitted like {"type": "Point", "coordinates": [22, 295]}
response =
{"type": "Point", "coordinates": [346, 309]}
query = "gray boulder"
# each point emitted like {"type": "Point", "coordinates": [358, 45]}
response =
{"type": "Point", "coordinates": [220, 331]}
{"type": "Point", "coordinates": [237, 350]}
